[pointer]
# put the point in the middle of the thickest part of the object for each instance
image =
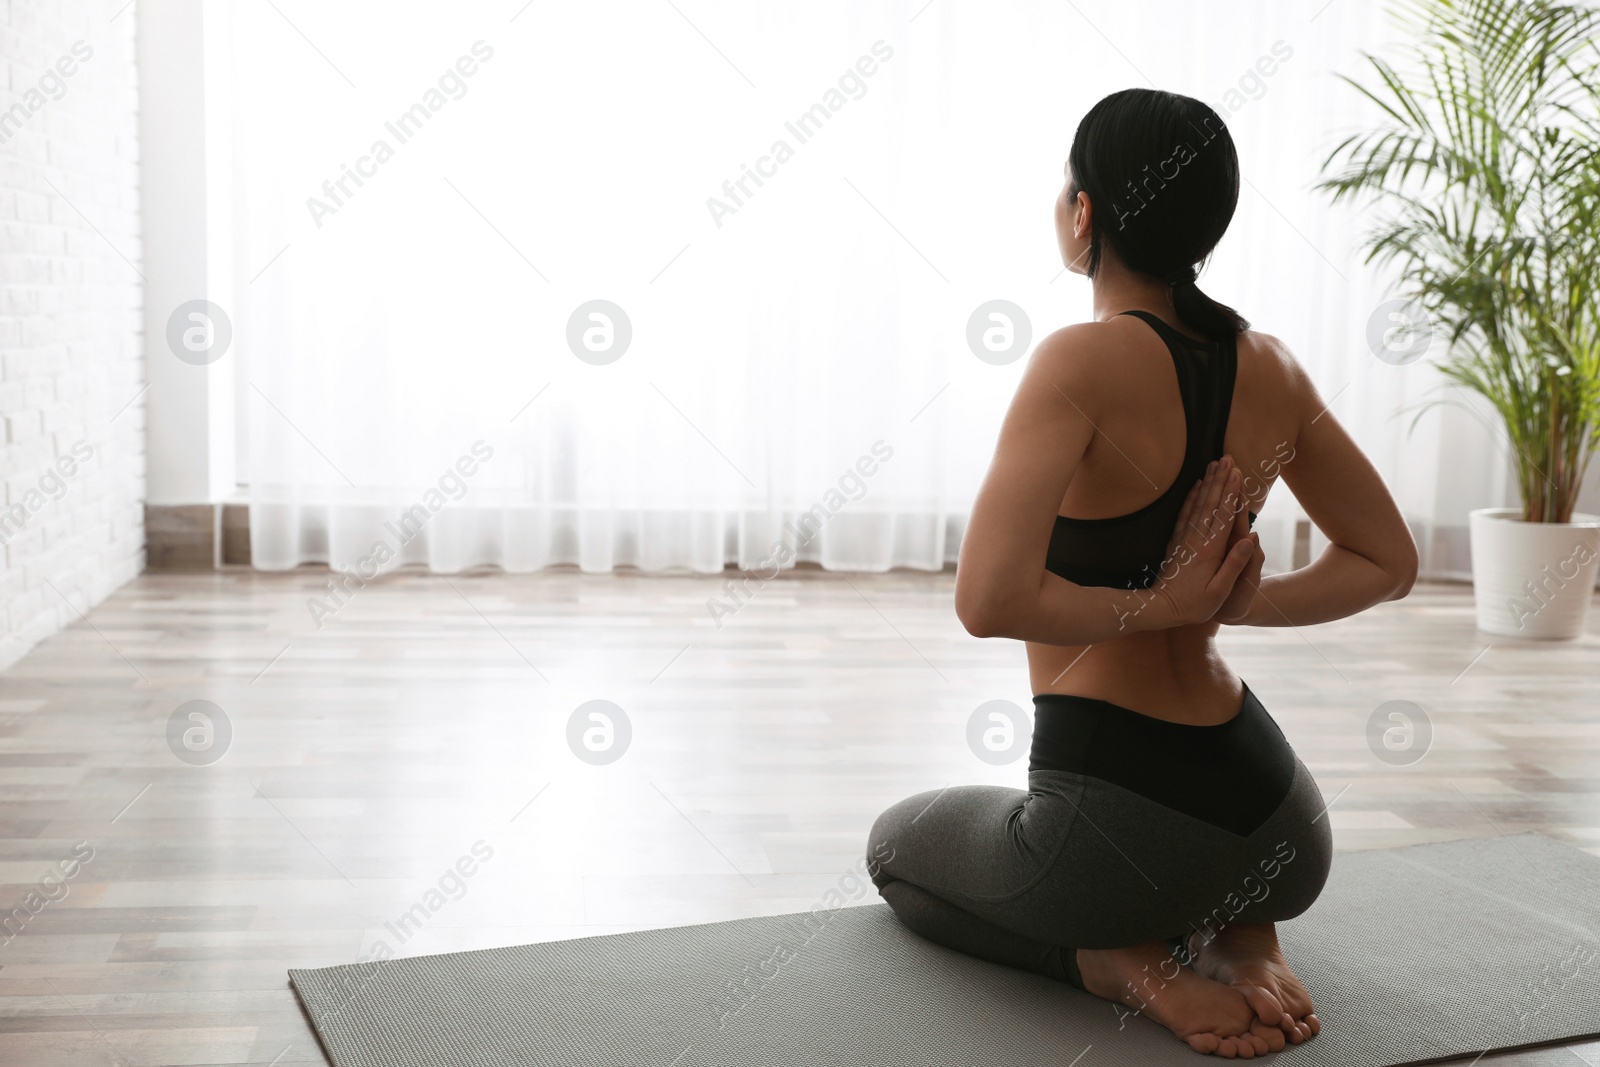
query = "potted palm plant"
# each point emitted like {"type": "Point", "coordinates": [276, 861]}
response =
{"type": "Point", "coordinates": [1485, 171]}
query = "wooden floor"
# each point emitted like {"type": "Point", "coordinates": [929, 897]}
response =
{"type": "Point", "coordinates": [428, 715]}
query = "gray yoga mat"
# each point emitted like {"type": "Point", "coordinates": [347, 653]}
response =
{"type": "Point", "coordinates": [1411, 955]}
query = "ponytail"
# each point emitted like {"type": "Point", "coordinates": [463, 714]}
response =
{"type": "Point", "coordinates": [1209, 318]}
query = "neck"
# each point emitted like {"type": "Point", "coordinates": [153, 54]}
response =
{"type": "Point", "coordinates": [1118, 289]}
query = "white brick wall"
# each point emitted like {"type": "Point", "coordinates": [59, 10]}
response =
{"type": "Point", "coordinates": [71, 363]}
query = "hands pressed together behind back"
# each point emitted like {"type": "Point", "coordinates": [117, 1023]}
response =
{"type": "Point", "coordinates": [1213, 561]}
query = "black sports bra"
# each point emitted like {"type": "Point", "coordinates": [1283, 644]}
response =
{"type": "Point", "coordinates": [1127, 551]}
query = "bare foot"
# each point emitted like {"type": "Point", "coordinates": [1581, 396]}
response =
{"type": "Point", "coordinates": [1208, 1015]}
{"type": "Point", "coordinates": [1246, 956]}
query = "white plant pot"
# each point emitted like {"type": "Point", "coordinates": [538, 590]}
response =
{"type": "Point", "coordinates": [1533, 579]}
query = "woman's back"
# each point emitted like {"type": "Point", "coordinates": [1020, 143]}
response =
{"type": "Point", "coordinates": [1143, 451]}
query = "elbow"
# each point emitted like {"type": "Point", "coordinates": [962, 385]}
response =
{"type": "Point", "coordinates": [977, 619]}
{"type": "Point", "coordinates": [979, 611]}
{"type": "Point", "coordinates": [981, 626]}
{"type": "Point", "coordinates": [1403, 586]}
{"type": "Point", "coordinates": [1404, 575]}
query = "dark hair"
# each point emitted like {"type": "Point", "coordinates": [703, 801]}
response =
{"type": "Point", "coordinates": [1163, 176]}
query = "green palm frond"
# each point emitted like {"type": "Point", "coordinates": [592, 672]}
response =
{"type": "Point", "coordinates": [1485, 161]}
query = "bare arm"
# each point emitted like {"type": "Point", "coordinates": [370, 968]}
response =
{"type": "Point", "coordinates": [1371, 556]}
{"type": "Point", "coordinates": [1002, 588]}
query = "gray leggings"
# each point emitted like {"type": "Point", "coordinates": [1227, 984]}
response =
{"type": "Point", "coordinates": [1131, 830]}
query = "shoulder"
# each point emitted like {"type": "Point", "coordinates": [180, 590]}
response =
{"type": "Point", "coordinates": [1278, 378]}
{"type": "Point", "coordinates": [1270, 353]}
{"type": "Point", "coordinates": [1090, 357]}
{"type": "Point", "coordinates": [1090, 342]}
{"type": "Point", "coordinates": [1270, 358]}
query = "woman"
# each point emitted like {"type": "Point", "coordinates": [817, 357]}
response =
{"type": "Point", "coordinates": [1167, 824]}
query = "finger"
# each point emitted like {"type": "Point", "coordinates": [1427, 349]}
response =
{"type": "Point", "coordinates": [1251, 578]}
{"type": "Point", "coordinates": [1227, 482]}
{"type": "Point", "coordinates": [1234, 504]}
{"type": "Point", "coordinates": [1221, 482]}
{"type": "Point", "coordinates": [1241, 515]}
{"type": "Point", "coordinates": [1225, 521]}
{"type": "Point", "coordinates": [1233, 565]}
{"type": "Point", "coordinates": [1252, 571]}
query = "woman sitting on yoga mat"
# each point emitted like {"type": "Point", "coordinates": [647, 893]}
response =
{"type": "Point", "coordinates": [1167, 824]}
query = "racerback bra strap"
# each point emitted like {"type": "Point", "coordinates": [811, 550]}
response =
{"type": "Point", "coordinates": [1206, 372]}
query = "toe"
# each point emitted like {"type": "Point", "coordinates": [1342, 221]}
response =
{"type": "Point", "coordinates": [1206, 1043]}
{"type": "Point", "coordinates": [1313, 1024]}
{"type": "Point", "coordinates": [1267, 1007]}
{"type": "Point", "coordinates": [1273, 1036]}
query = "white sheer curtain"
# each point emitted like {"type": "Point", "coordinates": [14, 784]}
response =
{"type": "Point", "coordinates": [803, 352]}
